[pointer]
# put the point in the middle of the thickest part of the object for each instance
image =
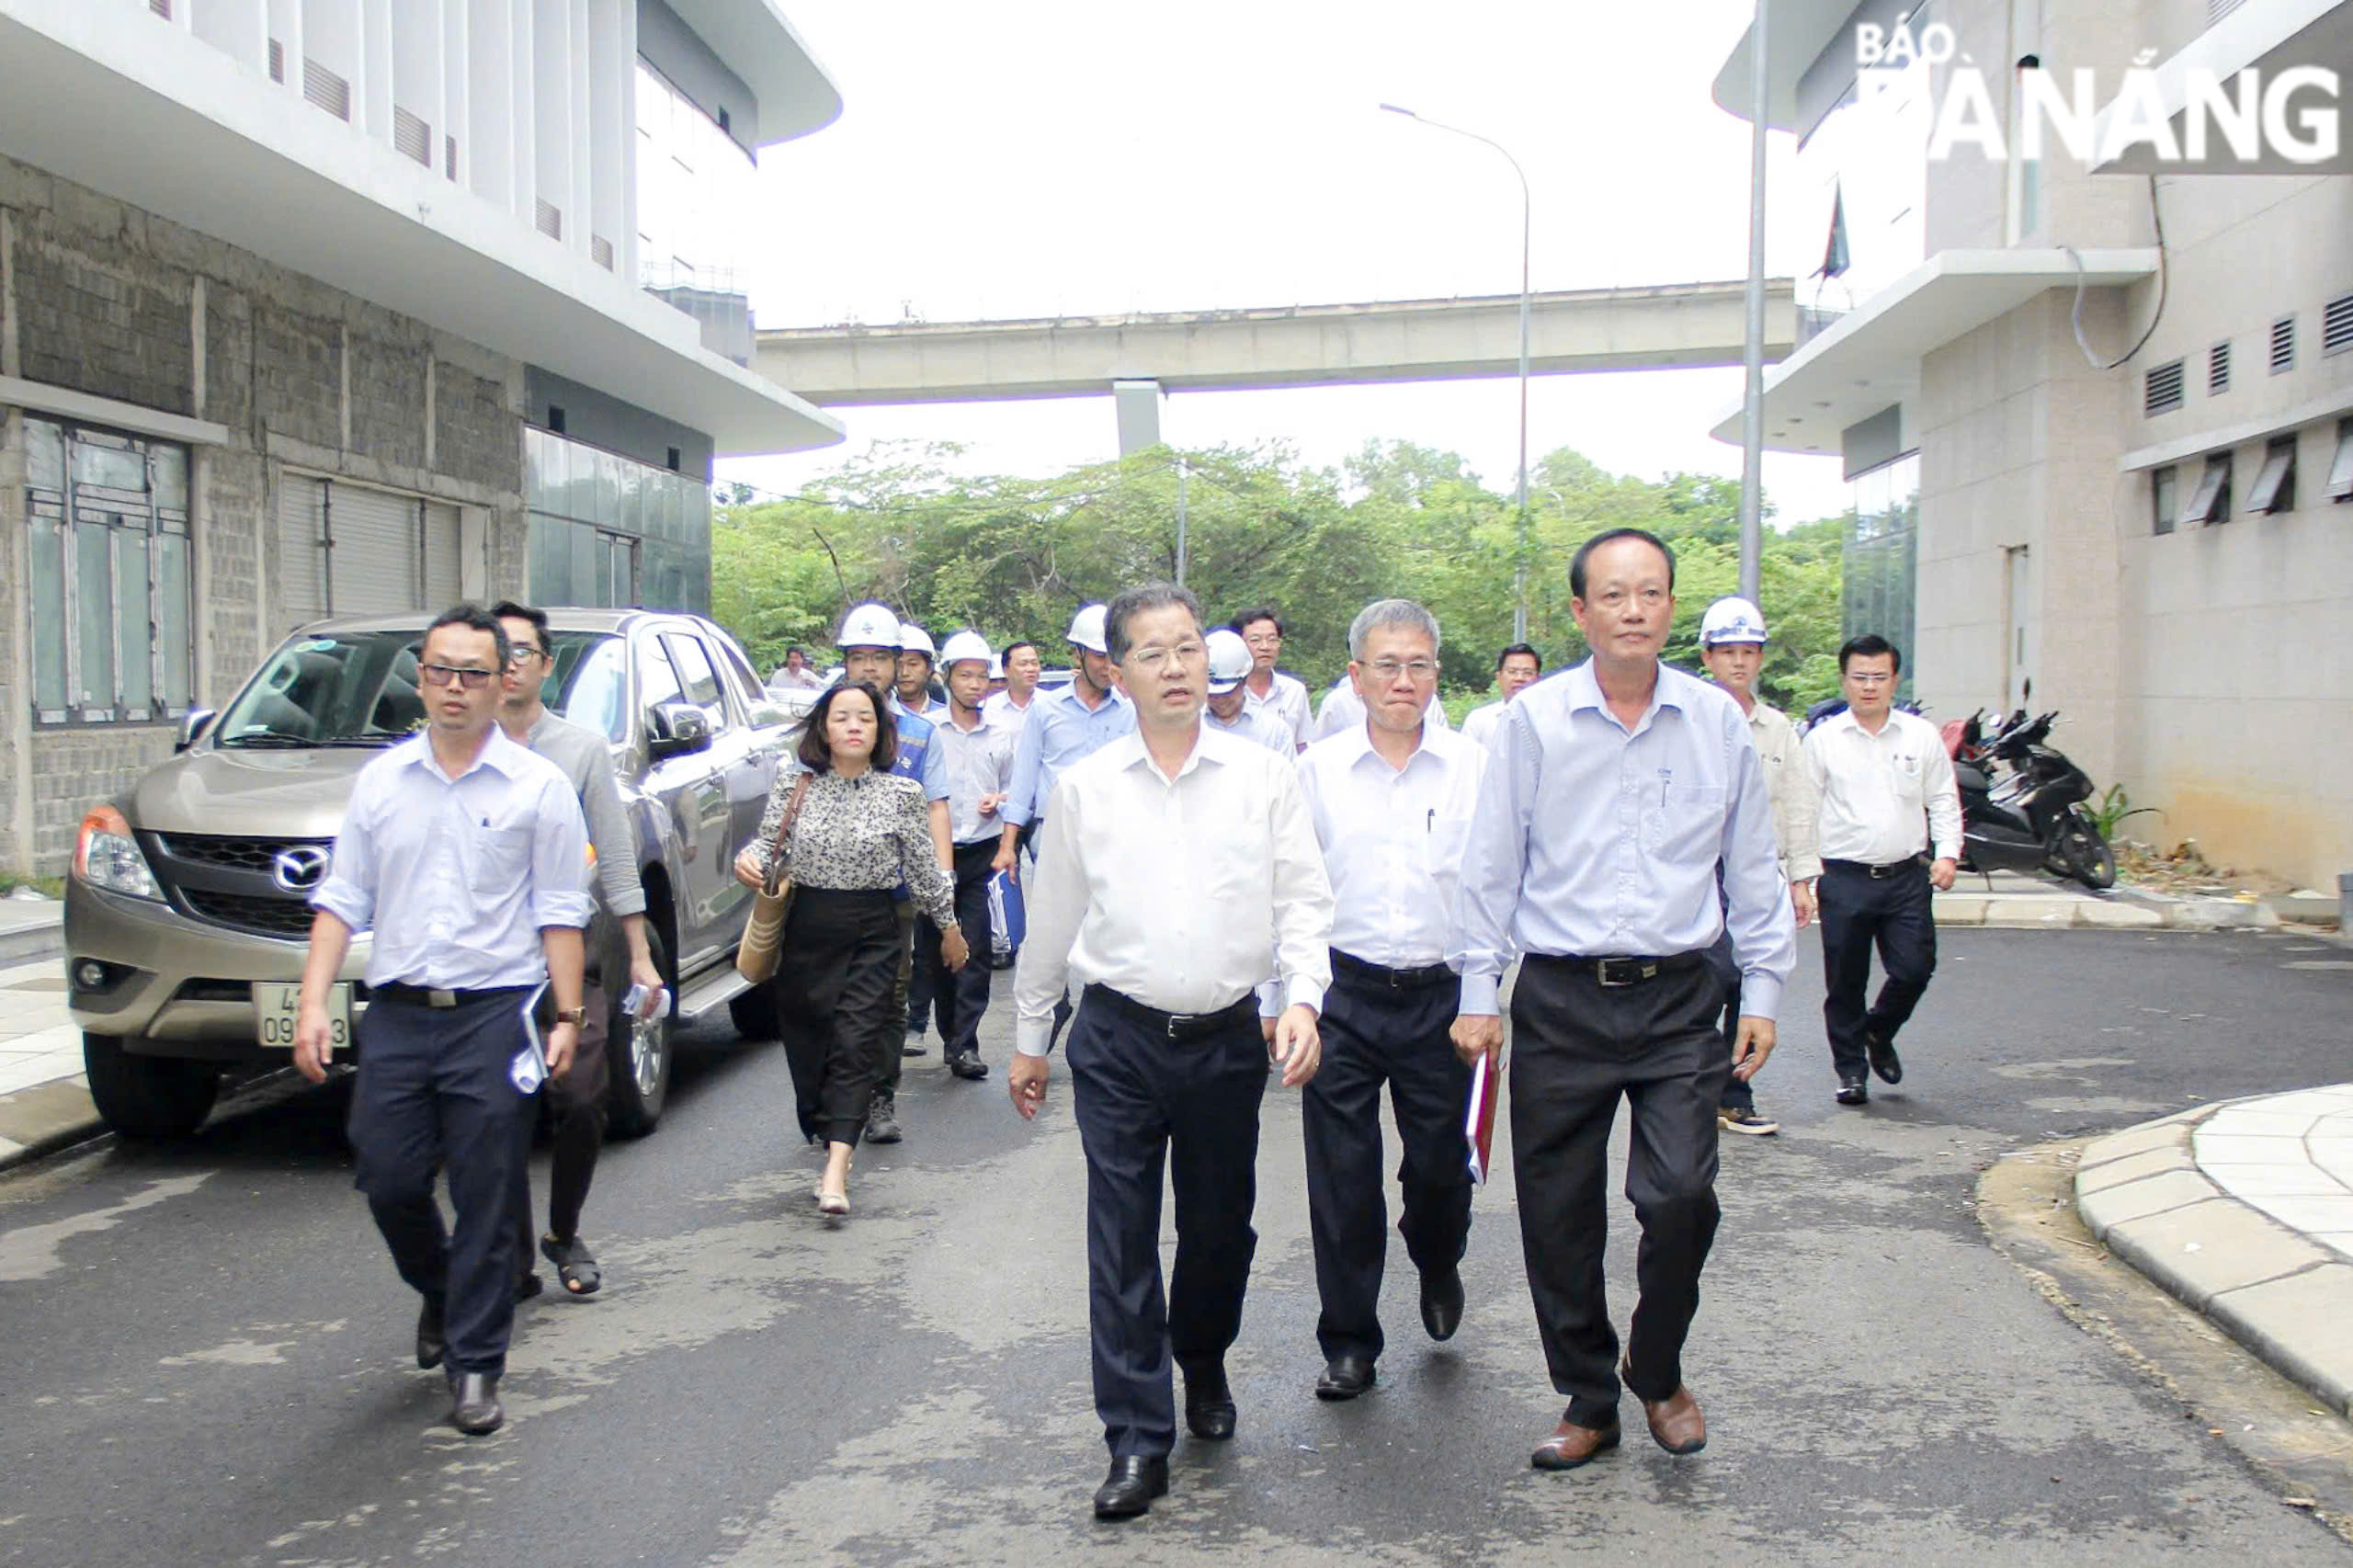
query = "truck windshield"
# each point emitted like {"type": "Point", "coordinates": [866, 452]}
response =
{"type": "Point", "coordinates": [360, 688]}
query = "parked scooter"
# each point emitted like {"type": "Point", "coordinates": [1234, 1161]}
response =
{"type": "Point", "coordinates": [2022, 803]}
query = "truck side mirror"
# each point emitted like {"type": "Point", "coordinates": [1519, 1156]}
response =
{"type": "Point", "coordinates": [192, 727]}
{"type": "Point", "coordinates": [675, 729]}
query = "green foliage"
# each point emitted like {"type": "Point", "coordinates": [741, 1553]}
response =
{"type": "Point", "coordinates": [1012, 557]}
{"type": "Point", "coordinates": [2114, 807]}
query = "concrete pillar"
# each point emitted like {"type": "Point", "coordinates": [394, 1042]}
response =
{"type": "Point", "coordinates": [1138, 404]}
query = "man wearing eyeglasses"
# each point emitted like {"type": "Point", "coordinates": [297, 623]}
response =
{"type": "Point", "coordinates": [578, 1098]}
{"type": "Point", "coordinates": [466, 856]}
{"type": "Point", "coordinates": [1391, 800]}
{"type": "Point", "coordinates": [1888, 797]}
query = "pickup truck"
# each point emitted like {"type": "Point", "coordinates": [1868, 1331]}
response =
{"type": "Point", "coordinates": [187, 917]}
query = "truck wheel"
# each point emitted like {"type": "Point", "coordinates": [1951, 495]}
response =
{"type": "Point", "coordinates": [754, 1012]}
{"type": "Point", "coordinates": [148, 1096]}
{"type": "Point", "coordinates": [637, 1054]}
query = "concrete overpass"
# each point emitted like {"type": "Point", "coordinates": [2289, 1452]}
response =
{"type": "Point", "coordinates": [1668, 327]}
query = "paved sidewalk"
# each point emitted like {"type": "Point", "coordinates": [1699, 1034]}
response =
{"type": "Point", "coordinates": [44, 1099]}
{"type": "Point", "coordinates": [2245, 1211]}
{"type": "Point", "coordinates": [30, 929]}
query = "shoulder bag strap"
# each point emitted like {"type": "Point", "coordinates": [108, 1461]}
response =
{"type": "Point", "coordinates": [784, 834]}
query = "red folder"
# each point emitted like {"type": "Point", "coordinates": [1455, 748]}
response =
{"type": "Point", "coordinates": [1479, 1121]}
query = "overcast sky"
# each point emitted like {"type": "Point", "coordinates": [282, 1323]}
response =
{"type": "Point", "coordinates": [1077, 156]}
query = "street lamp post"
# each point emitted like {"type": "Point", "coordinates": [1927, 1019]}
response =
{"type": "Point", "coordinates": [1752, 402]}
{"type": "Point", "coordinates": [1519, 552]}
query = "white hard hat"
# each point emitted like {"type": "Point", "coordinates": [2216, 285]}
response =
{"type": "Point", "coordinates": [996, 666]}
{"type": "Point", "coordinates": [1229, 660]}
{"type": "Point", "coordinates": [913, 638]}
{"type": "Point", "coordinates": [1087, 629]}
{"type": "Point", "coordinates": [868, 626]}
{"type": "Point", "coordinates": [1731, 620]}
{"type": "Point", "coordinates": [964, 645]}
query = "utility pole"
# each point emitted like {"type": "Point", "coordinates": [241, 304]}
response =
{"type": "Point", "coordinates": [1180, 519]}
{"type": "Point", "coordinates": [1751, 410]}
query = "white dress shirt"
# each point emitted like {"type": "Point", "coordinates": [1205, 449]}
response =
{"type": "Point", "coordinates": [1257, 725]}
{"type": "Point", "coordinates": [1174, 891]}
{"type": "Point", "coordinates": [1287, 700]}
{"type": "Point", "coordinates": [979, 761]}
{"type": "Point", "coordinates": [1480, 724]}
{"type": "Point", "coordinates": [1593, 840]}
{"type": "Point", "coordinates": [1002, 711]}
{"type": "Point", "coordinates": [1393, 841]}
{"type": "Point", "coordinates": [457, 877]}
{"type": "Point", "coordinates": [1344, 710]}
{"type": "Point", "coordinates": [1886, 797]}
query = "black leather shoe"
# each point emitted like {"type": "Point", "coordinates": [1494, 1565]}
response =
{"type": "Point", "coordinates": [1209, 1405]}
{"type": "Point", "coordinates": [473, 1404]}
{"type": "Point", "coordinates": [1885, 1062]}
{"type": "Point", "coordinates": [431, 1344]}
{"type": "Point", "coordinates": [1129, 1489]}
{"type": "Point", "coordinates": [1347, 1376]}
{"type": "Point", "coordinates": [1442, 1303]}
{"type": "Point", "coordinates": [1854, 1090]}
{"type": "Point", "coordinates": [968, 1064]}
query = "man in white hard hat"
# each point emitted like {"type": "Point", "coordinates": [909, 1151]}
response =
{"type": "Point", "coordinates": [870, 644]}
{"type": "Point", "coordinates": [917, 656]}
{"type": "Point", "coordinates": [1732, 644]}
{"type": "Point", "coordinates": [979, 760]}
{"type": "Point", "coordinates": [1229, 706]}
{"type": "Point", "coordinates": [1064, 726]}
{"type": "Point", "coordinates": [1517, 668]}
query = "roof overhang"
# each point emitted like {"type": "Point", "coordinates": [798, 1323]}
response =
{"type": "Point", "coordinates": [1870, 357]}
{"type": "Point", "coordinates": [752, 37]}
{"type": "Point", "coordinates": [1797, 32]}
{"type": "Point", "coordinates": [2268, 37]}
{"type": "Point", "coordinates": [144, 113]}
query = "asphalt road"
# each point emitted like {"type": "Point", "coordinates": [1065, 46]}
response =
{"type": "Point", "coordinates": [208, 1353]}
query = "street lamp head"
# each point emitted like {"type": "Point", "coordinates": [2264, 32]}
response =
{"type": "Point", "coordinates": [1392, 108]}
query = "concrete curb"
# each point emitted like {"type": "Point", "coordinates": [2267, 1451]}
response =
{"type": "Point", "coordinates": [2288, 1299]}
{"type": "Point", "coordinates": [2126, 909]}
{"type": "Point", "coordinates": [32, 944]}
{"type": "Point", "coordinates": [46, 1118]}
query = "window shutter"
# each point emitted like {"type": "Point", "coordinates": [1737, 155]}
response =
{"type": "Point", "coordinates": [377, 566]}
{"type": "Point", "coordinates": [2336, 325]}
{"type": "Point", "coordinates": [444, 566]}
{"type": "Point", "coordinates": [302, 550]}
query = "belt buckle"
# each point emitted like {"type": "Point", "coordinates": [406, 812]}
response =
{"type": "Point", "coordinates": [1175, 1019]}
{"type": "Point", "coordinates": [440, 998]}
{"type": "Point", "coordinates": [1634, 970]}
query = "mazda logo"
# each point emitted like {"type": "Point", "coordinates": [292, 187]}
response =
{"type": "Point", "coordinates": [300, 867]}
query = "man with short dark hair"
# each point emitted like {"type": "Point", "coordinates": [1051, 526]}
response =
{"type": "Point", "coordinates": [577, 1097]}
{"type": "Point", "coordinates": [1888, 797]}
{"type": "Point", "coordinates": [1269, 688]}
{"type": "Point", "coordinates": [1010, 709]}
{"type": "Point", "coordinates": [1517, 668]}
{"type": "Point", "coordinates": [1620, 797]}
{"type": "Point", "coordinates": [465, 856]}
{"type": "Point", "coordinates": [1179, 869]}
{"type": "Point", "coordinates": [794, 673]}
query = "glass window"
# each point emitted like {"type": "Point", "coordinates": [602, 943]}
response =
{"type": "Point", "coordinates": [45, 456]}
{"type": "Point", "coordinates": [49, 617]}
{"type": "Point", "coordinates": [657, 683]}
{"type": "Point", "coordinates": [591, 677]}
{"type": "Point", "coordinates": [94, 611]}
{"type": "Point", "coordinates": [169, 478]}
{"type": "Point", "coordinates": [2165, 500]}
{"type": "Point", "coordinates": [108, 463]}
{"type": "Point", "coordinates": [693, 668]}
{"type": "Point", "coordinates": [132, 604]}
{"type": "Point", "coordinates": [173, 634]}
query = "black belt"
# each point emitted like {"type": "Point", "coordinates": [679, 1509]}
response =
{"type": "Point", "coordinates": [1877, 873]}
{"type": "Point", "coordinates": [1179, 1027]}
{"type": "Point", "coordinates": [1614, 973]}
{"type": "Point", "coordinates": [1419, 979]}
{"type": "Point", "coordinates": [426, 997]}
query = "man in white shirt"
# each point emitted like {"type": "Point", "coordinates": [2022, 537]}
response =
{"type": "Point", "coordinates": [979, 756]}
{"type": "Point", "coordinates": [794, 673]}
{"type": "Point", "coordinates": [1180, 860]}
{"type": "Point", "coordinates": [1517, 668]}
{"type": "Point", "coordinates": [1010, 709]}
{"type": "Point", "coordinates": [1229, 703]}
{"type": "Point", "coordinates": [1285, 696]}
{"type": "Point", "coordinates": [466, 856]}
{"type": "Point", "coordinates": [1391, 800]}
{"type": "Point", "coordinates": [1888, 795]}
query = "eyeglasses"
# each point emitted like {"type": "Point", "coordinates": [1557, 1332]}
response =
{"type": "Point", "coordinates": [450, 675]}
{"type": "Point", "coordinates": [1389, 669]}
{"type": "Point", "coordinates": [521, 657]}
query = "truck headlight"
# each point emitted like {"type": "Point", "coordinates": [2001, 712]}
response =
{"type": "Point", "coordinates": [105, 856]}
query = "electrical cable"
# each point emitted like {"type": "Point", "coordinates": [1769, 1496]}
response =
{"type": "Point", "coordinates": [2075, 316]}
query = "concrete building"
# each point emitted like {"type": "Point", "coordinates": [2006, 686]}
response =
{"type": "Point", "coordinates": [316, 307]}
{"type": "Point", "coordinates": [2099, 415]}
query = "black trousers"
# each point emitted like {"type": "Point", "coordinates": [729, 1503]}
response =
{"type": "Point", "coordinates": [433, 1095]}
{"type": "Point", "coordinates": [1372, 1034]}
{"type": "Point", "coordinates": [1145, 1103]}
{"type": "Point", "coordinates": [576, 1101]}
{"type": "Point", "coordinates": [842, 950]}
{"type": "Point", "coordinates": [958, 1000]}
{"type": "Point", "coordinates": [1578, 1045]}
{"type": "Point", "coordinates": [1860, 912]}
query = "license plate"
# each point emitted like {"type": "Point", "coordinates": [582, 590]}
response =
{"type": "Point", "coordinates": [277, 1006]}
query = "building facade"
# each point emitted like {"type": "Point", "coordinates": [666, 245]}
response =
{"type": "Point", "coordinates": [330, 307]}
{"type": "Point", "coordinates": [2117, 392]}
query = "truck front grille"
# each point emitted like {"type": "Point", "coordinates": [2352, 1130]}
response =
{"type": "Point", "coordinates": [286, 918]}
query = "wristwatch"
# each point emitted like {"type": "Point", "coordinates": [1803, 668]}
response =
{"type": "Point", "coordinates": [573, 1015]}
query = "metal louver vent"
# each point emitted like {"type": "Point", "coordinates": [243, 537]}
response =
{"type": "Point", "coordinates": [2218, 369]}
{"type": "Point", "coordinates": [551, 219]}
{"type": "Point", "coordinates": [327, 89]}
{"type": "Point", "coordinates": [449, 157]}
{"type": "Point", "coordinates": [2161, 394]}
{"type": "Point", "coordinates": [277, 60]}
{"type": "Point", "coordinates": [600, 250]}
{"type": "Point", "coordinates": [2336, 325]}
{"type": "Point", "coordinates": [2217, 10]}
{"type": "Point", "coordinates": [161, 7]}
{"type": "Point", "coordinates": [2283, 345]}
{"type": "Point", "coordinates": [412, 137]}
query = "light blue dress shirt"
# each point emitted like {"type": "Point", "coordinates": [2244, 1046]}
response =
{"type": "Point", "coordinates": [1593, 841]}
{"type": "Point", "coordinates": [1060, 731]}
{"type": "Point", "coordinates": [456, 877]}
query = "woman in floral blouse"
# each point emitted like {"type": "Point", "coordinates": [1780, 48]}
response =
{"type": "Point", "coordinates": [862, 832]}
